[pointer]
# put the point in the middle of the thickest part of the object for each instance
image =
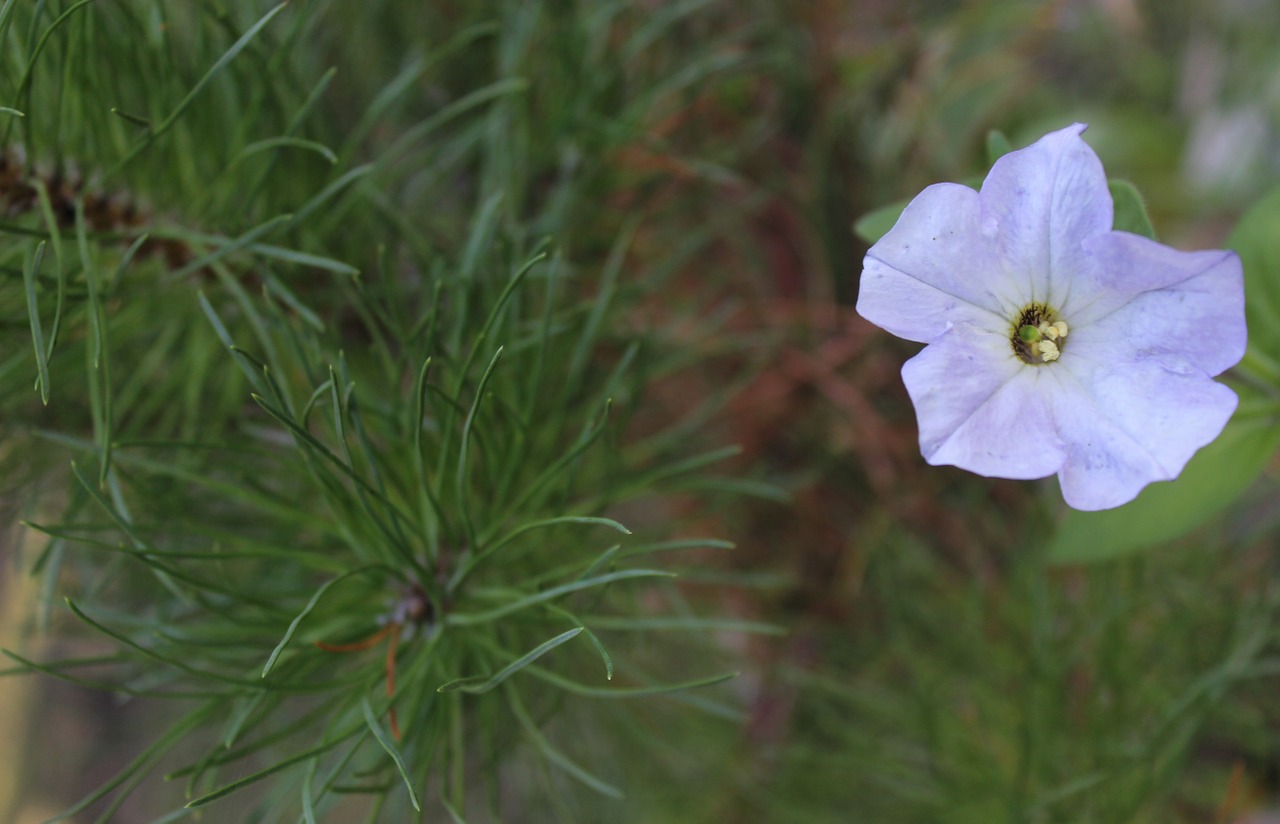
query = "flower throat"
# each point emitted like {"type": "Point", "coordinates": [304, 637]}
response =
{"type": "Point", "coordinates": [1038, 337]}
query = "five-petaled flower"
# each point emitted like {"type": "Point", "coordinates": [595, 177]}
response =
{"type": "Point", "coordinates": [1055, 344]}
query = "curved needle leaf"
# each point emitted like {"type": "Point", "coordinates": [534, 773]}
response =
{"type": "Point", "coordinates": [628, 692]}
{"type": "Point", "coordinates": [308, 440]}
{"type": "Point", "coordinates": [453, 813]}
{"type": "Point", "coordinates": [481, 684]}
{"type": "Point", "coordinates": [563, 519]}
{"type": "Point", "coordinates": [151, 653]}
{"type": "Point", "coordinates": [24, 85]}
{"type": "Point", "coordinates": [311, 605]}
{"type": "Point", "coordinates": [465, 448]}
{"type": "Point", "coordinates": [217, 67]}
{"type": "Point", "coordinates": [136, 120]}
{"type": "Point", "coordinates": [29, 272]}
{"type": "Point", "coordinates": [465, 569]}
{"type": "Point", "coordinates": [151, 754]}
{"type": "Point", "coordinates": [290, 142]}
{"type": "Point", "coordinates": [391, 751]}
{"type": "Point", "coordinates": [240, 784]}
{"type": "Point", "coordinates": [462, 618]}
{"type": "Point", "coordinates": [235, 245]}
{"type": "Point", "coordinates": [555, 756]}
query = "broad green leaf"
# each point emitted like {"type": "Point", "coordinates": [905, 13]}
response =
{"type": "Point", "coordinates": [874, 225]}
{"type": "Point", "coordinates": [997, 146]}
{"type": "Point", "coordinates": [1130, 216]}
{"type": "Point", "coordinates": [1257, 240]}
{"type": "Point", "coordinates": [1131, 211]}
{"type": "Point", "coordinates": [1215, 477]}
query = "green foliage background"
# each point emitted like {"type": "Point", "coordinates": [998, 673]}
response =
{"type": "Point", "coordinates": [430, 357]}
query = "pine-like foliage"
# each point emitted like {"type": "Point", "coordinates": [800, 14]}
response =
{"type": "Point", "coordinates": [332, 330]}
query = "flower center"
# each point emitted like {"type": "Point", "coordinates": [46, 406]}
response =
{"type": "Point", "coordinates": [1038, 336]}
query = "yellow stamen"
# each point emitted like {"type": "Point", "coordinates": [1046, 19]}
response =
{"type": "Point", "coordinates": [1036, 337]}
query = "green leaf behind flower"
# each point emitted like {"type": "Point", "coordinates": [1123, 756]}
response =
{"type": "Point", "coordinates": [997, 146]}
{"type": "Point", "coordinates": [1257, 240]}
{"type": "Point", "coordinates": [1130, 216]}
{"type": "Point", "coordinates": [1217, 475]}
{"type": "Point", "coordinates": [1131, 212]}
{"type": "Point", "coordinates": [876, 224]}
{"type": "Point", "coordinates": [1224, 469]}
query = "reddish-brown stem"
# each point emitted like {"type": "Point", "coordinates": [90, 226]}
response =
{"type": "Point", "coordinates": [357, 646]}
{"type": "Point", "coordinates": [392, 644]}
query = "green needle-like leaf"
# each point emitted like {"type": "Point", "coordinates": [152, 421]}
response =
{"type": "Point", "coordinates": [29, 273]}
{"type": "Point", "coordinates": [307, 610]}
{"type": "Point", "coordinates": [478, 685]}
{"type": "Point", "coordinates": [390, 747]}
{"type": "Point", "coordinates": [464, 618]}
{"type": "Point", "coordinates": [204, 81]}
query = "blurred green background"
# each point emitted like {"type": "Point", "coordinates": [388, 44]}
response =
{"type": "Point", "coordinates": [934, 667]}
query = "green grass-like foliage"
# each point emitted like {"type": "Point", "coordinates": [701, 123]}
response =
{"type": "Point", "coordinates": [332, 382]}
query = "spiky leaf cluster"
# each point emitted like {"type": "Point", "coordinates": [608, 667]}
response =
{"type": "Point", "coordinates": [329, 432]}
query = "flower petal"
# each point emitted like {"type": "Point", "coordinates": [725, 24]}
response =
{"type": "Point", "coordinates": [982, 409]}
{"type": "Point", "coordinates": [934, 268]}
{"type": "Point", "coordinates": [1047, 199]}
{"type": "Point", "coordinates": [1126, 424]}
{"type": "Point", "coordinates": [1131, 398]}
{"type": "Point", "coordinates": [1185, 307]}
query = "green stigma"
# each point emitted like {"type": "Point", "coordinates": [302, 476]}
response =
{"type": "Point", "coordinates": [1038, 335]}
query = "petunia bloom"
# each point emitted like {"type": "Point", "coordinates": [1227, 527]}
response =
{"type": "Point", "coordinates": [1055, 344]}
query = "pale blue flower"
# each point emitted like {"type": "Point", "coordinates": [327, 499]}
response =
{"type": "Point", "coordinates": [1055, 345]}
